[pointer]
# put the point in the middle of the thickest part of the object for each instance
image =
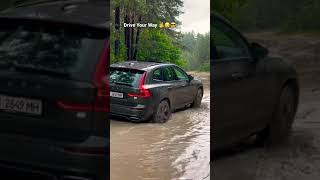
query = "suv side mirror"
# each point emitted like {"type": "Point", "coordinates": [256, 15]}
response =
{"type": "Point", "coordinates": [190, 77]}
{"type": "Point", "coordinates": [258, 51]}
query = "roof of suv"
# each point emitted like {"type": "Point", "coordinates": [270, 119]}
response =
{"type": "Point", "coordinates": [138, 65]}
{"type": "Point", "coordinates": [85, 12]}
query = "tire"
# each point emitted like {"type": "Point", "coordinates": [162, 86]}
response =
{"type": "Point", "coordinates": [280, 126]}
{"type": "Point", "coordinates": [197, 101]}
{"type": "Point", "coordinates": [163, 112]}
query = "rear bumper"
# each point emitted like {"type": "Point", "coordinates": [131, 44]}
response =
{"type": "Point", "coordinates": [138, 113]}
{"type": "Point", "coordinates": [45, 160]}
{"type": "Point", "coordinates": [19, 171]}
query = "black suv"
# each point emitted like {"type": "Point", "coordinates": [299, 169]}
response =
{"type": "Point", "coordinates": [252, 92]}
{"type": "Point", "coordinates": [141, 91]}
{"type": "Point", "coordinates": [54, 95]}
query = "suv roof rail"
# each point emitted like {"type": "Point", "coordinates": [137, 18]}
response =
{"type": "Point", "coordinates": [154, 64]}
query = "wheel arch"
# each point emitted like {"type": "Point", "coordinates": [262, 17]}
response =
{"type": "Point", "coordinates": [166, 99]}
{"type": "Point", "coordinates": [293, 82]}
{"type": "Point", "coordinates": [200, 87]}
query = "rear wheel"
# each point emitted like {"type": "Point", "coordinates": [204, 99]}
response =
{"type": "Point", "coordinates": [163, 112]}
{"type": "Point", "coordinates": [197, 101]}
{"type": "Point", "coordinates": [279, 128]}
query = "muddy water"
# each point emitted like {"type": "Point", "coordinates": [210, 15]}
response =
{"type": "Point", "coordinates": [178, 149]}
{"type": "Point", "coordinates": [295, 160]}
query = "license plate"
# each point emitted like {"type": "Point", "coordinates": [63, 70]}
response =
{"type": "Point", "coordinates": [116, 94]}
{"type": "Point", "coordinates": [20, 105]}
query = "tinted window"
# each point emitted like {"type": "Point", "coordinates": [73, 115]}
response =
{"type": "Point", "coordinates": [169, 74]}
{"type": "Point", "coordinates": [157, 75]}
{"type": "Point", "coordinates": [228, 43]}
{"type": "Point", "coordinates": [180, 74]}
{"type": "Point", "coordinates": [127, 77]}
{"type": "Point", "coordinates": [41, 48]}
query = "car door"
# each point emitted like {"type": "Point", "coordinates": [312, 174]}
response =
{"type": "Point", "coordinates": [186, 89]}
{"type": "Point", "coordinates": [235, 85]}
{"type": "Point", "coordinates": [174, 87]}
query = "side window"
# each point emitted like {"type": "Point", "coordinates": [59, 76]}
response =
{"type": "Point", "coordinates": [228, 43]}
{"type": "Point", "coordinates": [157, 75]}
{"type": "Point", "coordinates": [180, 74]}
{"type": "Point", "coordinates": [169, 74]}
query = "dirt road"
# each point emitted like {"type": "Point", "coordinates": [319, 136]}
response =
{"type": "Point", "coordinates": [300, 158]}
{"type": "Point", "coordinates": [178, 149]}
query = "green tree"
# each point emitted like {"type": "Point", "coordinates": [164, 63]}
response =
{"type": "Point", "coordinates": [157, 46]}
{"type": "Point", "coordinates": [196, 51]}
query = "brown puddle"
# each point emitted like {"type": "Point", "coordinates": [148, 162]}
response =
{"type": "Point", "coordinates": [178, 149]}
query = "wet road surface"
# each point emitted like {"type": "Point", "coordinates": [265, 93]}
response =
{"type": "Point", "coordinates": [298, 159]}
{"type": "Point", "coordinates": [178, 149]}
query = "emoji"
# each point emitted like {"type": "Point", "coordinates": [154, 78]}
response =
{"type": "Point", "coordinates": [173, 25]}
{"type": "Point", "coordinates": [167, 25]}
{"type": "Point", "coordinates": [161, 25]}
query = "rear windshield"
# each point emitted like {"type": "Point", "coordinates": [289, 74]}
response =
{"type": "Point", "coordinates": [51, 49]}
{"type": "Point", "coordinates": [126, 77]}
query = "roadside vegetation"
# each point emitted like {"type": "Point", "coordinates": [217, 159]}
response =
{"type": "Point", "coordinates": [276, 15]}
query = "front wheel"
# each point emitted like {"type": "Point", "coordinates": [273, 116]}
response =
{"type": "Point", "coordinates": [163, 112]}
{"type": "Point", "coordinates": [197, 101]}
{"type": "Point", "coordinates": [280, 126]}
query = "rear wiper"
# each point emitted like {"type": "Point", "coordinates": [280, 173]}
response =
{"type": "Point", "coordinates": [121, 83]}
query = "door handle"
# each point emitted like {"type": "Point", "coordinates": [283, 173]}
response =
{"type": "Point", "coordinates": [169, 87]}
{"type": "Point", "coordinates": [239, 76]}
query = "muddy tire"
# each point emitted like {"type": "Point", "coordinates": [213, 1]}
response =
{"type": "Point", "coordinates": [280, 126]}
{"type": "Point", "coordinates": [197, 101]}
{"type": "Point", "coordinates": [163, 112]}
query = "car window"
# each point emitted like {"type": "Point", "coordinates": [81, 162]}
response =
{"type": "Point", "coordinates": [127, 77]}
{"type": "Point", "coordinates": [169, 74]}
{"type": "Point", "coordinates": [180, 74]}
{"type": "Point", "coordinates": [228, 43]}
{"type": "Point", "coordinates": [157, 75]}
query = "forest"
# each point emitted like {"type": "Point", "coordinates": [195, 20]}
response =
{"type": "Point", "coordinates": [188, 50]}
{"type": "Point", "coordinates": [278, 15]}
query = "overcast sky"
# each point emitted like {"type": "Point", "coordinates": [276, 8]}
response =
{"type": "Point", "coordinates": [196, 16]}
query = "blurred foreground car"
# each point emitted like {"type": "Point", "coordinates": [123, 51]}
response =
{"type": "Point", "coordinates": [253, 94]}
{"type": "Point", "coordinates": [54, 95]}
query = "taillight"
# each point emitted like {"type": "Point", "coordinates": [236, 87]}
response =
{"type": "Point", "coordinates": [143, 92]}
{"type": "Point", "coordinates": [74, 106]}
{"type": "Point", "coordinates": [100, 81]}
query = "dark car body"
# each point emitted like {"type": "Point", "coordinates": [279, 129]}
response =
{"type": "Point", "coordinates": [54, 95]}
{"type": "Point", "coordinates": [246, 85]}
{"type": "Point", "coordinates": [150, 77]}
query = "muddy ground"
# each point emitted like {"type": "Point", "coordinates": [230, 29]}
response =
{"type": "Point", "coordinates": [178, 149]}
{"type": "Point", "coordinates": [300, 157]}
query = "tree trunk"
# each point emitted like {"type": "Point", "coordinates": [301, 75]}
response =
{"type": "Point", "coordinates": [137, 41]}
{"type": "Point", "coordinates": [132, 38]}
{"type": "Point", "coordinates": [127, 37]}
{"type": "Point", "coordinates": [117, 27]}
